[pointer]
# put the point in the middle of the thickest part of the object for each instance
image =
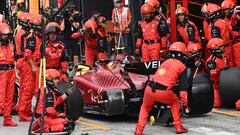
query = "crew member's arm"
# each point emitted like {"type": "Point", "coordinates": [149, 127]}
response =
{"type": "Point", "coordinates": [183, 87]}
{"type": "Point", "coordinates": [163, 30]}
{"type": "Point", "coordinates": [29, 49]}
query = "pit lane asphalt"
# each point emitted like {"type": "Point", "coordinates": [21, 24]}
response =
{"type": "Point", "coordinates": [221, 123]}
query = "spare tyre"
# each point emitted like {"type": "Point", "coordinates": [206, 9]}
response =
{"type": "Point", "coordinates": [201, 96]}
{"type": "Point", "coordinates": [229, 86]}
{"type": "Point", "coordinates": [74, 101]}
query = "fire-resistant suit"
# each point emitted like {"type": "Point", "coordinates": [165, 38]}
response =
{"type": "Point", "coordinates": [152, 36]}
{"type": "Point", "coordinates": [7, 74]}
{"type": "Point", "coordinates": [54, 121]}
{"type": "Point", "coordinates": [32, 53]}
{"type": "Point", "coordinates": [95, 42]}
{"type": "Point", "coordinates": [160, 89]}
{"type": "Point", "coordinates": [218, 28]}
{"type": "Point", "coordinates": [25, 71]}
{"type": "Point", "coordinates": [215, 63]}
{"type": "Point", "coordinates": [56, 54]}
{"type": "Point", "coordinates": [33, 43]}
{"type": "Point", "coordinates": [186, 30]}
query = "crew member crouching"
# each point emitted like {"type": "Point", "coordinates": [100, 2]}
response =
{"type": "Point", "coordinates": [54, 120]}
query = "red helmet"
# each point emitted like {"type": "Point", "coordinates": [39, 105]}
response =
{"type": "Point", "coordinates": [212, 8]}
{"type": "Point", "coordinates": [36, 20]}
{"type": "Point", "coordinates": [194, 47]}
{"type": "Point", "coordinates": [5, 29]}
{"type": "Point", "coordinates": [178, 47]}
{"type": "Point", "coordinates": [53, 27]}
{"type": "Point", "coordinates": [24, 17]}
{"type": "Point", "coordinates": [215, 43]}
{"type": "Point", "coordinates": [181, 10]}
{"type": "Point", "coordinates": [154, 3]}
{"type": "Point", "coordinates": [228, 4]}
{"type": "Point", "coordinates": [52, 73]}
{"type": "Point", "coordinates": [91, 24]}
{"type": "Point", "coordinates": [147, 8]}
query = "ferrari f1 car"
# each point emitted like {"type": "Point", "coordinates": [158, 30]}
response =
{"type": "Point", "coordinates": [114, 88]}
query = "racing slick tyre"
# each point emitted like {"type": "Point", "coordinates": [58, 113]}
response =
{"type": "Point", "coordinates": [229, 86]}
{"type": "Point", "coordinates": [201, 96]}
{"type": "Point", "coordinates": [114, 104]}
{"type": "Point", "coordinates": [74, 101]}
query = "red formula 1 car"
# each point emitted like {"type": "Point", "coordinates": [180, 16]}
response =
{"type": "Point", "coordinates": [114, 88]}
{"type": "Point", "coordinates": [108, 90]}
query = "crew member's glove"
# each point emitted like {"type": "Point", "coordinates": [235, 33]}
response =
{"type": "Point", "coordinates": [199, 63]}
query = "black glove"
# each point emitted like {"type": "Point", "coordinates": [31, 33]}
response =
{"type": "Point", "coordinates": [211, 65]}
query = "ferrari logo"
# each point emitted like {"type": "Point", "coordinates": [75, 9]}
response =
{"type": "Point", "coordinates": [162, 72]}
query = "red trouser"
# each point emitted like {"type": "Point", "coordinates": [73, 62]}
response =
{"type": "Point", "coordinates": [26, 86]}
{"type": "Point", "coordinates": [236, 52]}
{"type": "Point", "coordinates": [228, 53]}
{"type": "Point", "coordinates": [93, 54]}
{"type": "Point", "coordinates": [7, 88]}
{"type": "Point", "coordinates": [163, 96]}
{"type": "Point", "coordinates": [217, 98]}
{"type": "Point", "coordinates": [51, 124]}
{"type": "Point", "coordinates": [150, 52]}
{"type": "Point", "coordinates": [36, 79]}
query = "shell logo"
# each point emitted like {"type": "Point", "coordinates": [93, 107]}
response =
{"type": "Point", "coordinates": [180, 11]}
{"type": "Point", "coordinates": [145, 8]}
{"type": "Point", "coordinates": [35, 21]}
{"type": "Point", "coordinates": [222, 5]}
{"type": "Point", "coordinates": [7, 30]}
{"type": "Point", "coordinates": [195, 48]}
{"type": "Point", "coordinates": [161, 71]}
{"type": "Point", "coordinates": [153, 25]}
{"type": "Point", "coordinates": [1, 55]}
{"type": "Point", "coordinates": [213, 45]}
{"type": "Point", "coordinates": [174, 47]}
{"type": "Point", "coordinates": [11, 48]}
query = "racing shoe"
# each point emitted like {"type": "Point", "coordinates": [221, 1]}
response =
{"type": "Point", "coordinates": [180, 129]}
{"type": "Point", "coordinates": [9, 123]}
{"type": "Point", "coordinates": [138, 132]}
